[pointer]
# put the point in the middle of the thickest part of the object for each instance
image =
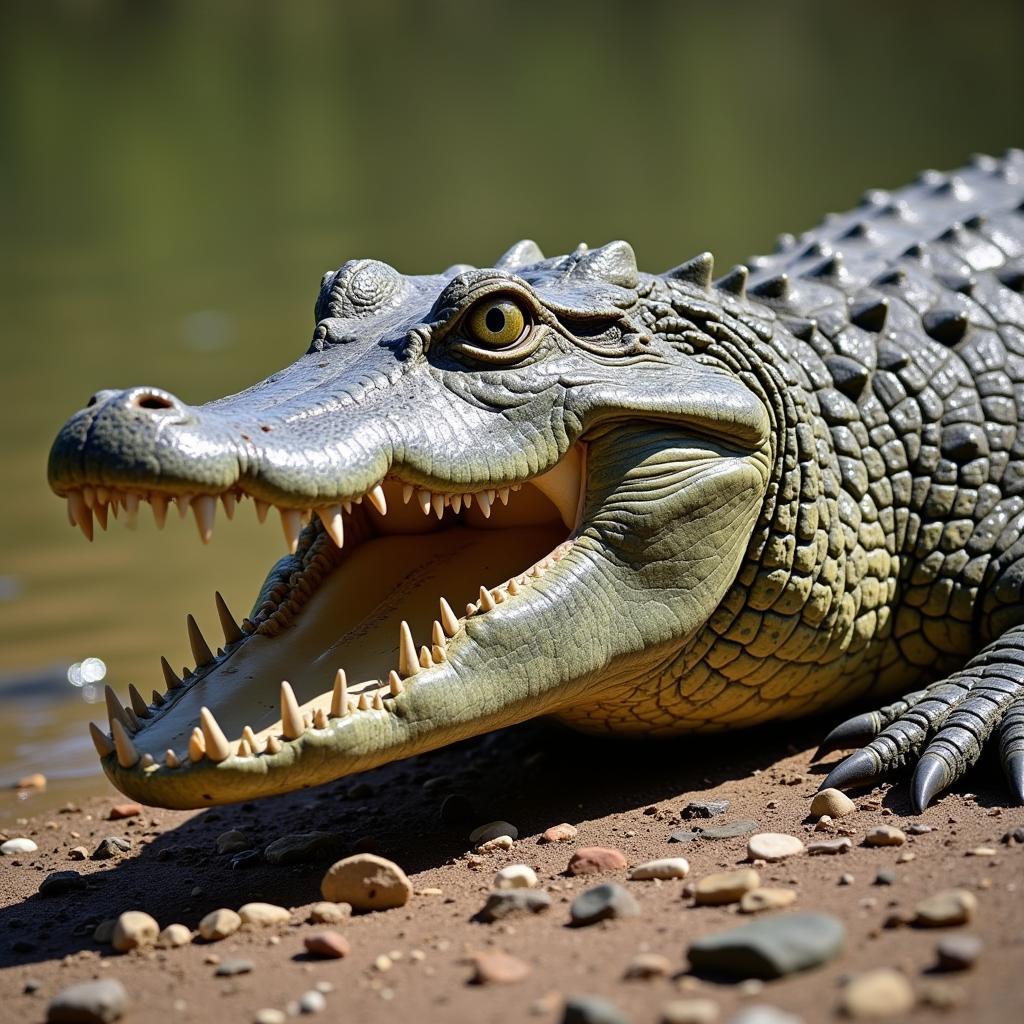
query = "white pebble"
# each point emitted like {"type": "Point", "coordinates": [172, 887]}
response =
{"type": "Point", "coordinates": [516, 876]}
{"type": "Point", "coordinates": [773, 846]}
{"type": "Point", "coordinates": [18, 845]}
{"type": "Point", "coordinates": [667, 867]}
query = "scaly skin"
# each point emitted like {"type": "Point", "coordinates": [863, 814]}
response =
{"type": "Point", "coordinates": [795, 490]}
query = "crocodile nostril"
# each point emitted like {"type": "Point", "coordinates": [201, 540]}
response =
{"type": "Point", "coordinates": [153, 402]}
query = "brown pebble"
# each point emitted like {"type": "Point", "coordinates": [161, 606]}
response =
{"type": "Point", "coordinates": [119, 811]}
{"type": "Point", "coordinates": [648, 965]}
{"type": "Point", "coordinates": [832, 802]}
{"type": "Point", "coordinates": [725, 887]}
{"type": "Point", "coordinates": [78, 853]}
{"type": "Point", "coordinates": [829, 846]}
{"type": "Point", "coordinates": [882, 992]}
{"type": "Point", "coordinates": [946, 909]}
{"type": "Point", "coordinates": [327, 945]}
{"type": "Point", "coordinates": [34, 781]}
{"type": "Point", "coordinates": [885, 835]}
{"type": "Point", "coordinates": [329, 913]}
{"type": "Point", "coordinates": [497, 968]}
{"type": "Point", "coordinates": [219, 924]}
{"type": "Point", "coordinates": [595, 860]}
{"type": "Point", "coordinates": [563, 833]}
{"type": "Point", "coordinates": [757, 900]}
{"type": "Point", "coordinates": [366, 882]}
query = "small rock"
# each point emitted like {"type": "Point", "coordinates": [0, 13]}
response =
{"type": "Point", "coordinates": [516, 876]}
{"type": "Point", "coordinates": [495, 844]}
{"type": "Point", "coordinates": [263, 915]}
{"type": "Point", "coordinates": [219, 924]}
{"type": "Point", "coordinates": [119, 811]}
{"type": "Point", "coordinates": [773, 846]}
{"type": "Point", "coordinates": [945, 909]}
{"type": "Point", "coordinates": [919, 829]}
{"type": "Point", "coordinates": [78, 853]}
{"type": "Point", "coordinates": [509, 902]}
{"type": "Point", "coordinates": [312, 1002]}
{"type": "Point", "coordinates": [268, 1015]}
{"type": "Point", "coordinates": [704, 809]}
{"type": "Point", "coordinates": [233, 842]}
{"type": "Point", "coordinates": [725, 887]}
{"type": "Point", "coordinates": [764, 1014]}
{"type": "Point", "coordinates": [104, 931]}
{"type": "Point", "coordinates": [885, 835]}
{"type": "Point", "coordinates": [648, 965]}
{"type": "Point", "coordinates": [327, 945]}
{"type": "Point", "coordinates": [941, 995]}
{"type": "Point", "coordinates": [886, 877]}
{"type": "Point", "coordinates": [666, 868]}
{"type": "Point", "coordinates": [756, 900]}
{"type": "Point", "coordinates": [883, 992]}
{"type": "Point", "coordinates": [596, 860]}
{"type": "Point", "coordinates": [832, 802]}
{"type": "Point", "coordinates": [301, 847]}
{"type": "Point", "coordinates": [592, 1010]}
{"type": "Point", "coordinates": [981, 851]}
{"type": "Point", "coordinates": [134, 930]}
{"type": "Point", "coordinates": [689, 1011]}
{"type": "Point", "coordinates": [602, 902]}
{"type": "Point", "coordinates": [563, 833]}
{"type": "Point", "coordinates": [173, 936]}
{"type": "Point", "coordinates": [111, 846]}
{"type": "Point", "coordinates": [727, 830]}
{"type": "Point", "coordinates": [366, 882]}
{"type": "Point", "coordinates": [91, 1002]}
{"type": "Point", "coordinates": [846, 878]}
{"type": "Point", "coordinates": [771, 947]}
{"type": "Point", "coordinates": [497, 968]}
{"type": "Point", "coordinates": [329, 913]}
{"type": "Point", "coordinates": [492, 830]}
{"type": "Point", "coordinates": [958, 952]}
{"type": "Point", "coordinates": [60, 883]}
{"type": "Point", "coordinates": [34, 781]}
{"type": "Point", "coordinates": [826, 847]}
{"type": "Point", "coordinates": [17, 845]}
{"type": "Point", "coordinates": [229, 968]}
{"type": "Point", "coordinates": [31, 986]}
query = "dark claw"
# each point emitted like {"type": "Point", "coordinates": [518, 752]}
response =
{"type": "Point", "coordinates": [859, 767]}
{"type": "Point", "coordinates": [930, 779]}
{"type": "Point", "coordinates": [854, 732]}
{"type": "Point", "coordinates": [1013, 765]}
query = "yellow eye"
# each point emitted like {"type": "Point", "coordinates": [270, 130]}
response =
{"type": "Point", "coordinates": [497, 322]}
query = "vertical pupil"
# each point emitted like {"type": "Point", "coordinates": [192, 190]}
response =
{"type": "Point", "coordinates": [495, 320]}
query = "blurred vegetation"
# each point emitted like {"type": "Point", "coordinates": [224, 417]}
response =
{"type": "Point", "coordinates": [175, 177]}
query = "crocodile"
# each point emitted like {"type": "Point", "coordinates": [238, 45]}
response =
{"type": "Point", "coordinates": [642, 504]}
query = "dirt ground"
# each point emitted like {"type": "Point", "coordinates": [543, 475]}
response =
{"type": "Point", "coordinates": [626, 795]}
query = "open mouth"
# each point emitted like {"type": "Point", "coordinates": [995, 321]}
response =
{"type": "Point", "coordinates": [377, 595]}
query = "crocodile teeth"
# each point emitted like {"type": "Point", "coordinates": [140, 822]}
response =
{"type": "Point", "coordinates": [100, 740]}
{"type": "Point", "coordinates": [204, 508]}
{"type": "Point", "coordinates": [127, 755]}
{"type": "Point", "coordinates": [171, 759]}
{"type": "Point", "coordinates": [407, 490]}
{"type": "Point", "coordinates": [244, 750]}
{"type": "Point", "coordinates": [291, 718]}
{"type": "Point", "coordinates": [364, 702]}
{"type": "Point", "coordinates": [81, 513]}
{"type": "Point", "coordinates": [437, 653]}
{"type": "Point", "coordinates": [485, 499]}
{"type": "Point", "coordinates": [139, 705]}
{"type": "Point", "coordinates": [437, 637]}
{"type": "Point", "coordinates": [115, 712]}
{"type": "Point", "coordinates": [250, 737]}
{"type": "Point", "coordinates": [159, 505]}
{"type": "Point", "coordinates": [513, 587]}
{"type": "Point", "coordinates": [229, 501]}
{"type": "Point", "coordinates": [332, 523]}
{"type": "Point", "coordinates": [196, 746]}
{"type": "Point", "coordinates": [319, 719]}
{"type": "Point", "coordinates": [503, 495]}
{"type": "Point", "coordinates": [423, 497]}
{"type": "Point", "coordinates": [395, 683]}
{"type": "Point", "coordinates": [89, 496]}
{"type": "Point", "coordinates": [339, 696]}
{"type": "Point", "coordinates": [158, 699]}
{"type": "Point", "coordinates": [262, 508]}
{"type": "Point", "coordinates": [425, 659]}
{"type": "Point", "coordinates": [449, 620]}
{"type": "Point", "coordinates": [456, 503]}
{"type": "Point", "coordinates": [408, 665]}
{"type": "Point", "coordinates": [201, 652]}
{"type": "Point", "coordinates": [273, 745]}
{"type": "Point", "coordinates": [232, 634]}
{"type": "Point", "coordinates": [437, 503]}
{"type": "Point", "coordinates": [217, 748]}
{"type": "Point", "coordinates": [134, 725]}
{"type": "Point", "coordinates": [131, 510]}
{"type": "Point", "coordinates": [172, 681]}
{"type": "Point", "coordinates": [378, 702]}
{"type": "Point", "coordinates": [486, 601]}
{"type": "Point", "coordinates": [183, 501]}
{"type": "Point", "coordinates": [100, 512]}
{"type": "Point", "coordinates": [291, 523]}
{"type": "Point", "coordinates": [377, 499]}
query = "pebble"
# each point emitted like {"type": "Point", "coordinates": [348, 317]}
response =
{"type": "Point", "coordinates": [757, 900]}
{"type": "Point", "coordinates": [886, 877]}
{"type": "Point", "coordinates": [689, 1011]}
{"type": "Point", "coordinates": [883, 992]}
{"type": "Point", "coordinates": [34, 781]}
{"type": "Point", "coordinates": [602, 902]}
{"type": "Point", "coordinates": [263, 915]}
{"type": "Point", "coordinates": [764, 1014]}
{"type": "Point", "coordinates": [596, 860]}
{"type": "Point", "coordinates": [233, 842]}
{"type": "Point", "coordinates": [229, 968]}
{"type": "Point", "coordinates": [91, 1002]}
{"type": "Point", "coordinates": [268, 1015]}
{"type": "Point", "coordinates": [496, 844]}
{"type": "Point", "coordinates": [958, 952]}
{"type": "Point", "coordinates": [704, 809]}
{"type": "Point", "coordinates": [771, 947]}
{"type": "Point", "coordinates": [301, 847]}
{"type": "Point", "coordinates": [134, 930]}
{"type": "Point", "coordinates": [508, 902]}
{"type": "Point", "coordinates": [563, 833]}
{"type": "Point", "coordinates": [727, 830]}
{"type": "Point", "coordinates": [59, 883]}
{"type": "Point", "coordinates": [119, 811]}
{"type": "Point", "coordinates": [219, 924]}
{"type": "Point", "coordinates": [78, 853]}
{"type": "Point", "coordinates": [104, 931]}
{"type": "Point", "coordinates": [829, 847]}
{"type": "Point", "coordinates": [516, 876]}
{"type": "Point", "coordinates": [725, 887]}
{"type": "Point", "coordinates": [492, 830]}
{"type": "Point", "coordinates": [496, 968]}
{"type": "Point", "coordinates": [919, 829]}
{"type": "Point", "coordinates": [832, 802]}
{"type": "Point", "coordinates": [773, 846]}
{"type": "Point", "coordinates": [846, 878]}
{"type": "Point", "coordinates": [111, 846]}
{"type": "Point", "coordinates": [945, 909]}
{"type": "Point", "coordinates": [885, 835]}
{"type": "Point", "coordinates": [666, 868]}
{"type": "Point", "coordinates": [366, 882]}
{"type": "Point", "coordinates": [592, 1010]}
{"type": "Point", "coordinates": [174, 935]}
{"type": "Point", "coordinates": [327, 945]}
{"type": "Point", "coordinates": [18, 845]}
{"type": "Point", "coordinates": [312, 1002]}
{"type": "Point", "coordinates": [648, 965]}
{"type": "Point", "coordinates": [329, 913]}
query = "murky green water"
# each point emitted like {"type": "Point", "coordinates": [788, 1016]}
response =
{"type": "Point", "coordinates": [174, 179]}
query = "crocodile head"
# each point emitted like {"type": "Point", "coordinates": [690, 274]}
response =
{"type": "Point", "coordinates": [502, 496]}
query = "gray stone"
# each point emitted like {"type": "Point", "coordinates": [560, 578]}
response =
{"type": "Point", "coordinates": [704, 809]}
{"type": "Point", "coordinates": [312, 1002]}
{"type": "Point", "coordinates": [727, 830]}
{"type": "Point", "coordinates": [958, 952]}
{"type": "Point", "coordinates": [229, 968]}
{"type": "Point", "coordinates": [829, 847]}
{"type": "Point", "coordinates": [59, 883]}
{"type": "Point", "coordinates": [92, 1002]}
{"type": "Point", "coordinates": [770, 948]}
{"type": "Point", "coordinates": [601, 903]}
{"type": "Point", "coordinates": [301, 847]}
{"type": "Point", "coordinates": [508, 902]}
{"type": "Point", "coordinates": [592, 1010]}
{"type": "Point", "coordinates": [111, 846]}
{"type": "Point", "coordinates": [763, 1014]}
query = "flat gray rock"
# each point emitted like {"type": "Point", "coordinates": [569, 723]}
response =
{"type": "Point", "coordinates": [300, 847]}
{"type": "Point", "coordinates": [727, 830]}
{"type": "Point", "coordinates": [770, 948]}
{"type": "Point", "coordinates": [59, 883]}
{"type": "Point", "coordinates": [592, 1010]}
{"type": "Point", "coordinates": [704, 809]}
{"type": "Point", "coordinates": [601, 903]}
{"type": "Point", "coordinates": [92, 1002]}
{"type": "Point", "coordinates": [509, 902]}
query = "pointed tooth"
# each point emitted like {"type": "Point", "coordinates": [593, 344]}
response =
{"type": "Point", "coordinates": [229, 501]}
{"type": "Point", "coordinates": [183, 501]}
{"type": "Point", "coordinates": [147, 761]}
{"type": "Point", "coordinates": [100, 512]}
{"type": "Point", "coordinates": [159, 504]}
{"type": "Point", "coordinates": [196, 746]}
{"type": "Point", "coordinates": [204, 508]}
{"type": "Point", "coordinates": [437, 503]}
{"type": "Point", "coordinates": [408, 665]}
{"type": "Point", "coordinates": [484, 499]}
{"type": "Point", "coordinates": [139, 705]}
{"type": "Point", "coordinates": [201, 652]}
{"type": "Point", "coordinates": [291, 718]}
{"type": "Point", "coordinates": [158, 699]}
{"type": "Point", "coordinates": [232, 634]}
{"type": "Point", "coordinates": [250, 737]}
{"type": "Point", "coordinates": [171, 759]}
{"type": "Point", "coordinates": [339, 697]}
{"type": "Point", "coordinates": [115, 712]}
{"type": "Point", "coordinates": [486, 601]}
{"type": "Point", "coordinates": [115, 508]}
{"type": "Point", "coordinates": [131, 509]}
{"type": "Point", "coordinates": [449, 620]}
{"type": "Point", "coordinates": [456, 503]}
{"type": "Point", "coordinates": [467, 500]}
{"type": "Point", "coordinates": [127, 755]}
{"type": "Point", "coordinates": [273, 745]}
{"type": "Point", "coordinates": [437, 637]}
{"type": "Point", "coordinates": [291, 523]}
{"type": "Point", "coordinates": [244, 750]}
{"type": "Point", "coordinates": [364, 701]}
{"type": "Point", "coordinates": [470, 610]}
{"type": "Point", "coordinates": [407, 490]}
{"type": "Point", "coordinates": [89, 496]}
{"type": "Point", "coordinates": [503, 493]}
{"type": "Point", "coordinates": [425, 660]}
{"type": "Point", "coordinates": [437, 653]}
{"type": "Point", "coordinates": [81, 512]}
{"type": "Point", "coordinates": [378, 703]}
{"type": "Point", "coordinates": [423, 497]}
{"type": "Point", "coordinates": [513, 587]}
{"type": "Point", "coordinates": [134, 725]}
{"type": "Point", "coordinates": [262, 508]}
{"type": "Point", "coordinates": [333, 523]}
{"type": "Point", "coordinates": [377, 499]}
{"type": "Point", "coordinates": [395, 683]}
{"type": "Point", "coordinates": [347, 506]}
{"type": "Point", "coordinates": [172, 681]}
{"type": "Point", "coordinates": [216, 743]}
{"type": "Point", "coordinates": [71, 512]}
{"type": "Point", "coordinates": [100, 740]}
{"type": "Point", "coordinates": [498, 595]}
{"type": "Point", "coordinates": [353, 705]}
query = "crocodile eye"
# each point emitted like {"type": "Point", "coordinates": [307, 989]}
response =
{"type": "Point", "coordinates": [497, 322]}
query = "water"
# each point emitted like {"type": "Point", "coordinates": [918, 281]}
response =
{"type": "Point", "coordinates": [175, 178]}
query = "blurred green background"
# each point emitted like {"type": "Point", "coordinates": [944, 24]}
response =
{"type": "Point", "coordinates": [175, 178]}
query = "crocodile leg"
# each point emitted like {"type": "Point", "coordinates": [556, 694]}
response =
{"type": "Point", "coordinates": [943, 732]}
